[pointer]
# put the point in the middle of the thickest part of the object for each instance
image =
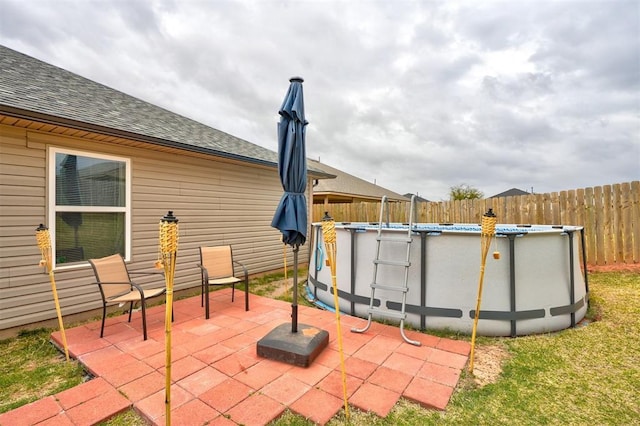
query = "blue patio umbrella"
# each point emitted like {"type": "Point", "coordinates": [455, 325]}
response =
{"type": "Point", "coordinates": [291, 214]}
{"type": "Point", "coordinates": [293, 347]}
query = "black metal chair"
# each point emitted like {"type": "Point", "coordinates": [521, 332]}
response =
{"type": "Point", "coordinates": [217, 268]}
{"type": "Point", "coordinates": [116, 286]}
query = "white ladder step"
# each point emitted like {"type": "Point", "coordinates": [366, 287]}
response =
{"type": "Point", "coordinates": [396, 239]}
{"type": "Point", "coordinates": [389, 287]}
{"type": "Point", "coordinates": [392, 262]}
{"type": "Point", "coordinates": [389, 314]}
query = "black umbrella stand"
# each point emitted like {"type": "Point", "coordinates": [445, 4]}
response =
{"type": "Point", "coordinates": [297, 344]}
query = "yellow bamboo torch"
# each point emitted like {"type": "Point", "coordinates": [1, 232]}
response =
{"type": "Point", "coordinates": [488, 231]}
{"type": "Point", "coordinates": [44, 244]}
{"type": "Point", "coordinates": [168, 251]}
{"type": "Point", "coordinates": [329, 237]}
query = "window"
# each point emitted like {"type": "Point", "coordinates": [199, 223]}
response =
{"type": "Point", "coordinates": [89, 205]}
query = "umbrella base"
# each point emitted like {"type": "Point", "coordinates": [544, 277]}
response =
{"type": "Point", "coordinates": [300, 348]}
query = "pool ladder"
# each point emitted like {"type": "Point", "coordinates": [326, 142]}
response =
{"type": "Point", "coordinates": [378, 262]}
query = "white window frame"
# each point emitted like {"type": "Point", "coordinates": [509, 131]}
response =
{"type": "Point", "coordinates": [52, 208]}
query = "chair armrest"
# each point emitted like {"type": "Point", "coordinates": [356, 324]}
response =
{"type": "Point", "coordinates": [246, 284]}
{"type": "Point", "coordinates": [140, 290]}
{"type": "Point", "coordinates": [205, 273]}
{"type": "Point", "coordinates": [113, 282]}
{"type": "Point", "coordinates": [244, 270]}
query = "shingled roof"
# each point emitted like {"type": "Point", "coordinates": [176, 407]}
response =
{"type": "Point", "coordinates": [32, 89]}
{"type": "Point", "coordinates": [347, 188]}
{"type": "Point", "coordinates": [510, 193]}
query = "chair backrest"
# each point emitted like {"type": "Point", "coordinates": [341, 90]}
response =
{"type": "Point", "coordinates": [217, 260]}
{"type": "Point", "coordinates": [111, 269]}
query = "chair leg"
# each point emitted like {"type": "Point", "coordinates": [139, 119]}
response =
{"type": "Point", "coordinates": [202, 294]}
{"type": "Point", "coordinates": [233, 291]}
{"type": "Point", "coordinates": [206, 300]}
{"type": "Point", "coordinates": [104, 315]}
{"type": "Point", "coordinates": [144, 319]}
{"type": "Point", "coordinates": [130, 310]}
{"type": "Point", "coordinates": [246, 295]}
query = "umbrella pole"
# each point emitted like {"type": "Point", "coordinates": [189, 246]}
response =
{"type": "Point", "coordinates": [44, 244]}
{"type": "Point", "coordinates": [284, 258]}
{"type": "Point", "coordinates": [487, 232]}
{"type": "Point", "coordinates": [168, 251]}
{"type": "Point", "coordinates": [294, 304]}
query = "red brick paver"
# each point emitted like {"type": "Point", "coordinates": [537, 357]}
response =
{"type": "Point", "coordinates": [218, 378]}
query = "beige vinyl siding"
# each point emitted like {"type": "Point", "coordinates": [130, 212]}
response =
{"type": "Point", "coordinates": [216, 201]}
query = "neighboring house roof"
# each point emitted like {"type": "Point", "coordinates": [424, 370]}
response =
{"type": "Point", "coordinates": [419, 199]}
{"type": "Point", "coordinates": [34, 90]}
{"type": "Point", "coordinates": [346, 188]}
{"type": "Point", "coordinates": [510, 193]}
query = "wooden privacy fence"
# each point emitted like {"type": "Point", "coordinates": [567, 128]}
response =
{"type": "Point", "coordinates": [610, 215]}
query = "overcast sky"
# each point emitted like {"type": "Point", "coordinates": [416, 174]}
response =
{"type": "Point", "coordinates": [418, 96]}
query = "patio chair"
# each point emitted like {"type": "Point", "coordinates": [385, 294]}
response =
{"type": "Point", "coordinates": [116, 286]}
{"type": "Point", "coordinates": [216, 267]}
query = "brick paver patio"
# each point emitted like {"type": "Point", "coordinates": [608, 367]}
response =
{"type": "Point", "coordinates": [218, 379]}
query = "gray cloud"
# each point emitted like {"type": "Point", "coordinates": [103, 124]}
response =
{"type": "Point", "coordinates": [418, 96]}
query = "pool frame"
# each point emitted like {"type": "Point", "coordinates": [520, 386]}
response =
{"type": "Point", "coordinates": [549, 316]}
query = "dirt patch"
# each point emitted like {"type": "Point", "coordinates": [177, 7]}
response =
{"type": "Point", "coordinates": [487, 364]}
{"type": "Point", "coordinates": [282, 288]}
{"type": "Point", "coordinates": [616, 267]}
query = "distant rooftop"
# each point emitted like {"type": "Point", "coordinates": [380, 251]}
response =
{"type": "Point", "coordinates": [510, 193]}
{"type": "Point", "coordinates": [419, 199]}
{"type": "Point", "coordinates": [346, 188]}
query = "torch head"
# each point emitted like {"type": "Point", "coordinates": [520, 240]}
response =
{"type": "Point", "coordinates": [489, 220]}
{"type": "Point", "coordinates": [169, 233]}
{"type": "Point", "coordinates": [328, 229]}
{"type": "Point", "coordinates": [42, 237]}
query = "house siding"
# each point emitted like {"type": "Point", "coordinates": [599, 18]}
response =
{"type": "Point", "coordinates": [216, 201]}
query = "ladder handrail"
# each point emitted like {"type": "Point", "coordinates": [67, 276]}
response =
{"type": "Point", "coordinates": [406, 264]}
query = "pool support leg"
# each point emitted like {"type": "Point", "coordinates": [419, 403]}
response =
{"type": "Point", "coordinates": [572, 281]}
{"type": "Point", "coordinates": [512, 281]}
{"type": "Point", "coordinates": [353, 269]}
{"type": "Point", "coordinates": [423, 278]}
{"type": "Point", "coordinates": [584, 265]}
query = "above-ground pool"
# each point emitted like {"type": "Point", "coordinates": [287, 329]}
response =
{"type": "Point", "coordinates": [537, 285]}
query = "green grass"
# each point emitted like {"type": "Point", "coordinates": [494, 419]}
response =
{"type": "Point", "coordinates": [33, 368]}
{"type": "Point", "coordinates": [586, 375]}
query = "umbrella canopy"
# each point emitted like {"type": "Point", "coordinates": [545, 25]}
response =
{"type": "Point", "coordinates": [291, 214]}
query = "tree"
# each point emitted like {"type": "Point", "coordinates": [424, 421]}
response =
{"type": "Point", "coordinates": [465, 192]}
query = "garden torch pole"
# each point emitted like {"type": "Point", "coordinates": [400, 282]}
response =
{"type": "Point", "coordinates": [487, 232]}
{"type": "Point", "coordinates": [168, 251]}
{"type": "Point", "coordinates": [44, 244]}
{"type": "Point", "coordinates": [329, 237]}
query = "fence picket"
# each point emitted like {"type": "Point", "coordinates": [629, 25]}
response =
{"type": "Point", "coordinates": [635, 219]}
{"type": "Point", "coordinates": [626, 221]}
{"type": "Point", "coordinates": [607, 203]}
